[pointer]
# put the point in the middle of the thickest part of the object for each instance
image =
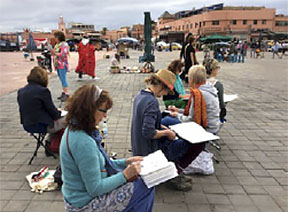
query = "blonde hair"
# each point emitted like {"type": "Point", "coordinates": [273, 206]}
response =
{"type": "Point", "coordinates": [197, 74]}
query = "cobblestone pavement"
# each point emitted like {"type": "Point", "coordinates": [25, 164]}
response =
{"type": "Point", "coordinates": [13, 67]}
{"type": "Point", "coordinates": [252, 174]}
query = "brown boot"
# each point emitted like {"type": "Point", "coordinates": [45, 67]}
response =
{"type": "Point", "coordinates": [188, 179]}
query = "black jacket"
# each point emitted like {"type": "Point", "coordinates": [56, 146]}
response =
{"type": "Point", "coordinates": [36, 105]}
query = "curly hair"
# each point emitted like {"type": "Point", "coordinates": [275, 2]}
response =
{"type": "Point", "coordinates": [175, 65]}
{"type": "Point", "coordinates": [38, 75]}
{"type": "Point", "coordinates": [60, 35]}
{"type": "Point", "coordinates": [82, 106]}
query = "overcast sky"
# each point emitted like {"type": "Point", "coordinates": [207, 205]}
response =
{"type": "Point", "coordinates": [44, 14]}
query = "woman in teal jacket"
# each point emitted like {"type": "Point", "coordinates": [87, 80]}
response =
{"type": "Point", "coordinates": [91, 181]}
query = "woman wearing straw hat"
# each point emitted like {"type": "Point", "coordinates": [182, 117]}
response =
{"type": "Point", "coordinates": [148, 135]}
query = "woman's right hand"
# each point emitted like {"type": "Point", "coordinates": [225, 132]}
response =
{"type": "Point", "coordinates": [170, 134]}
{"type": "Point", "coordinates": [172, 108]}
{"type": "Point", "coordinates": [132, 171]}
{"type": "Point", "coordinates": [174, 114]}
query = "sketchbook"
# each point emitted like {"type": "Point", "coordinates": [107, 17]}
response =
{"type": "Point", "coordinates": [192, 132]}
{"type": "Point", "coordinates": [156, 169]}
{"type": "Point", "coordinates": [229, 98]}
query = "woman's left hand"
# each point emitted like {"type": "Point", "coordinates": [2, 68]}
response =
{"type": "Point", "coordinates": [133, 159]}
{"type": "Point", "coordinates": [164, 127]}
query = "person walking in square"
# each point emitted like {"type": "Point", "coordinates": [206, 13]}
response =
{"type": "Point", "coordinates": [189, 58]}
{"type": "Point", "coordinates": [86, 62]}
{"type": "Point", "coordinates": [60, 53]}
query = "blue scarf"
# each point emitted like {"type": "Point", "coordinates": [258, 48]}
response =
{"type": "Point", "coordinates": [179, 85]}
{"type": "Point", "coordinates": [111, 169]}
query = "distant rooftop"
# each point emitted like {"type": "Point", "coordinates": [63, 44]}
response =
{"type": "Point", "coordinates": [166, 15]}
{"type": "Point", "coordinates": [242, 8]}
{"type": "Point", "coordinates": [188, 13]}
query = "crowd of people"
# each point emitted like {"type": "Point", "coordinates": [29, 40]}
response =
{"type": "Point", "coordinates": [91, 180]}
{"type": "Point", "coordinates": [237, 51]}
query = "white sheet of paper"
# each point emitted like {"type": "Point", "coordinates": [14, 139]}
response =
{"type": "Point", "coordinates": [192, 132]}
{"type": "Point", "coordinates": [167, 111]}
{"type": "Point", "coordinates": [229, 98]}
{"type": "Point", "coordinates": [153, 162]}
{"type": "Point", "coordinates": [64, 113]}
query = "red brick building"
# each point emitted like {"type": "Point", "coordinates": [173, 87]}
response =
{"type": "Point", "coordinates": [238, 22]}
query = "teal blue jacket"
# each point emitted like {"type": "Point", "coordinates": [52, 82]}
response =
{"type": "Point", "coordinates": [85, 177]}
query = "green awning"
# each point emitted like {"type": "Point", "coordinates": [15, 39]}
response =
{"type": "Point", "coordinates": [215, 38]}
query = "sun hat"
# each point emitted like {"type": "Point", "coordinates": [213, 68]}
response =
{"type": "Point", "coordinates": [166, 77]}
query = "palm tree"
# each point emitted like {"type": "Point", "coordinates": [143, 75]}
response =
{"type": "Point", "coordinates": [104, 30]}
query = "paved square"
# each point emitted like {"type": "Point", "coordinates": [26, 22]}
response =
{"type": "Point", "coordinates": [253, 172]}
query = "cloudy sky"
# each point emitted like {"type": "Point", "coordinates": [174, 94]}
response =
{"type": "Point", "coordinates": [44, 14]}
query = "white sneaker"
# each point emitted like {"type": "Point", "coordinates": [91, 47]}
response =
{"type": "Point", "coordinates": [95, 78]}
{"type": "Point", "coordinates": [79, 79]}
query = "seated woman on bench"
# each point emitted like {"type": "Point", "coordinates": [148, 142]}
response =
{"type": "Point", "coordinates": [203, 104]}
{"type": "Point", "coordinates": [179, 91]}
{"type": "Point", "coordinates": [38, 113]}
{"type": "Point", "coordinates": [212, 69]}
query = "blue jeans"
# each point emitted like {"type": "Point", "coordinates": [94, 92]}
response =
{"type": "Point", "coordinates": [179, 151]}
{"type": "Point", "coordinates": [220, 58]}
{"type": "Point", "coordinates": [62, 76]}
{"type": "Point", "coordinates": [169, 120]}
{"type": "Point", "coordinates": [173, 150]}
{"type": "Point", "coordinates": [142, 199]}
{"type": "Point", "coordinates": [233, 58]}
{"type": "Point", "coordinates": [240, 58]}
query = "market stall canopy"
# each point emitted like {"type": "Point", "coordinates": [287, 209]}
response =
{"type": "Point", "coordinates": [278, 35]}
{"type": "Point", "coordinates": [215, 38]}
{"type": "Point", "coordinates": [127, 39]}
{"type": "Point", "coordinates": [224, 44]}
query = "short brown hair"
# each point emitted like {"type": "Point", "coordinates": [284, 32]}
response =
{"type": "Point", "coordinates": [191, 39]}
{"type": "Point", "coordinates": [197, 74]}
{"type": "Point", "coordinates": [82, 106]}
{"type": "Point", "coordinates": [38, 75]}
{"type": "Point", "coordinates": [60, 35]}
{"type": "Point", "coordinates": [174, 65]}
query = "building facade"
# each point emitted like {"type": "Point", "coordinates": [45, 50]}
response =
{"type": "Point", "coordinates": [239, 22]}
{"type": "Point", "coordinates": [137, 31]}
{"type": "Point", "coordinates": [112, 35]}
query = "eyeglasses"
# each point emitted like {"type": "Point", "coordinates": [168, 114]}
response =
{"type": "Point", "coordinates": [101, 110]}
